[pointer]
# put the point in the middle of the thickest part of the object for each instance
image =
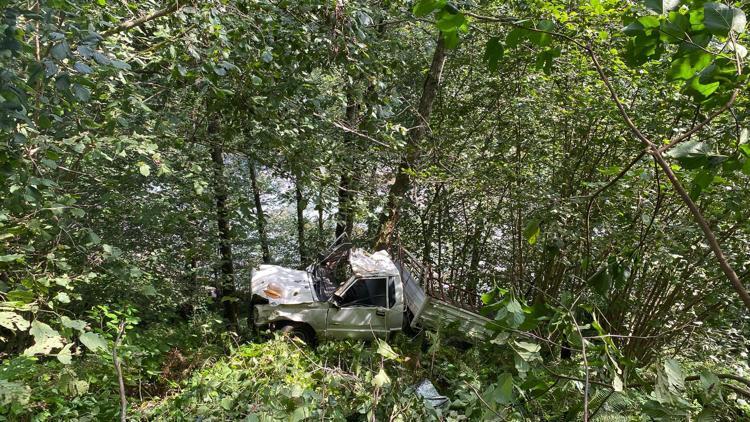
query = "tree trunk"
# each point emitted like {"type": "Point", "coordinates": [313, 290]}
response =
{"type": "Point", "coordinates": [260, 217]}
{"type": "Point", "coordinates": [345, 215]}
{"type": "Point", "coordinates": [476, 252]}
{"type": "Point", "coordinates": [319, 208]}
{"type": "Point", "coordinates": [226, 284]}
{"type": "Point", "coordinates": [402, 184]}
{"type": "Point", "coordinates": [301, 205]}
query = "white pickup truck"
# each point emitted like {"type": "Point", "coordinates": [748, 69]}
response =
{"type": "Point", "coordinates": [376, 296]}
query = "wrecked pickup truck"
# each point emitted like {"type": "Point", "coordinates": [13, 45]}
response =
{"type": "Point", "coordinates": [352, 294]}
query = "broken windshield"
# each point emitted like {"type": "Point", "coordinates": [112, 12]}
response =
{"type": "Point", "coordinates": [332, 268]}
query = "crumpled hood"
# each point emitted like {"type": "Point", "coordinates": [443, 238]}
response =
{"type": "Point", "coordinates": [282, 285]}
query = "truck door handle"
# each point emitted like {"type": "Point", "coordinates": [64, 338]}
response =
{"type": "Point", "coordinates": [380, 312]}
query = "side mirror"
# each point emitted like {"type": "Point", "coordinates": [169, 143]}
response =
{"type": "Point", "coordinates": [335, 301]}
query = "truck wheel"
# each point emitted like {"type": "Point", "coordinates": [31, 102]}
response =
{"type": "Point", "coordinates": [302, 332]}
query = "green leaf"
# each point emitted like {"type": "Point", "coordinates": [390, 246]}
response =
{"type": "Point", "coordinates": [83, 68]}
{"type": "Point", "coordinates": [661, 6]}
{"type": "Point", "coordinates": [703, 179]}
{"type": "Point", "coordinates": [544, 38]}
{"type": "Point", "coordinates": [102, 59]}
{"type": "Point", "coordinates": [675, 28]}
{"type": "Point", "coordinates": [60, 51]}
{"type": "Point", "coordinates": [450, 21]}
{"type": "Point", "coordinates": [93, 341]}
{"type": "Point", "coordinates": [451, 39]}
{"type": "Point", "coordinates": [73, 323]}
{"type": "Point", "coordinates": [689, 149]}
{"type": "Point", "coordinates": [9, 258]}
{"type": "Point", "coordinates": [62, 297]}
{"type": "Point", "coordinates": [527, 351]}
{"type": "Point", "coordinates": [710, 382]}
{"type": "Point", "coordinates": [144, 169]}
{"type": "Point", "coordinates": [675, 377]}
{"type": "Point", "coordinates": [385, 350]}
{"type": "Point", "coordinates": [81, 92]}
{"type": "Point", "coordinates": [643, 48]}
{"type": "Point", "coordinates": [720, 19]}
{"type": "Point", "coordinates": [532, 231]}
{"type": "Point", "coordinates": [13, 321]}
{"type": "Point", "coordinates": [425, 7]}
{"type": "Point", "coordinates": [722, 70]}
{"type": "Point", "coordinates": [149, 290]}
{"type": "Point", "coordinates": [14, 393]}
{"type": "Point", "coordinates": [381, 379]}
{"type": "Point", "coordinates": [119, 64]}
{"type": "Point", "coordinates": [633, 29]}
{"type": "Point", "coordinates": [649, 23]}
{"type": "Point", "coordinates": [64, 355]}
{"type": "Point", "coordinates": [18, 295]}
{"type": "Point", "coordinates": [546, 59]}
{"type": "Point", "coordinates": [515, 316]}
{"type": "Point", "coordinates": [515, 36]}
{"type": "Point", "coordinates": [698, 90]}
{"type": "Point", "coordinates": [503, 393]}
{"type": "Point", "coordinates": [601, 281]}
{"type": "Point", "coordinates": [493, 52]}
{"type": "Point", "coordinates": [45, 339]}
{"type": "Point", "coordinates": [686, 67]}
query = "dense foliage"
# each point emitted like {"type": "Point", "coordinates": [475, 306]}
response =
{"type": "Point", "coordinates": [578, 170]}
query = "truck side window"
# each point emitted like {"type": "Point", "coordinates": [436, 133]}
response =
{"type": "Point", "coordinates": [366, 292]}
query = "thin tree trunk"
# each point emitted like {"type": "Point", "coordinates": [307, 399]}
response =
{"type": "Point", "coordinates": [260, 217]}
{"type": "Point", "coordinates": [118, 370]}
{"type": "Point", "coordinates": [476, 252]}
{"type": "Point", "coordinates": [402, 184]}
{"type": "Point", "coordinates": [226, 285]}
{"type": "Point", "coordinates": [656, 152]}
{"type": "Point", "coordinates": [319, 207]}
{"type": "Point", "coordinates": [301, 205]}
{"type": "Point", "coordinates": [345, 215]}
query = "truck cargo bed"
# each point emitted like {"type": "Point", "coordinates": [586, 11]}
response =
{"type": "Point", "coordinates": [431, 313]}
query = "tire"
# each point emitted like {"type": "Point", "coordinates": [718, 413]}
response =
{"type": "Point", "coordinates": [300, 331]}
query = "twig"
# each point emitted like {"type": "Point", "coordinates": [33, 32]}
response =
{"type": "Point", "coordinates": [479, 396]}
{"type": "Point", "coordinates": [118, 369]}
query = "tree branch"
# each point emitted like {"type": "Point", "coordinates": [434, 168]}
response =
{"type": "Point", "coordinates": [127, 25]}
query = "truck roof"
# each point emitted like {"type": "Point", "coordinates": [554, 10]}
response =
{"type": "Point", "coordinates": [378, 264]}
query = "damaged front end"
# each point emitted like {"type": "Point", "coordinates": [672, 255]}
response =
{"type": "Point", "coordinates": [282, 286]}
{"type": "Point", "coordinates": [284, 294]}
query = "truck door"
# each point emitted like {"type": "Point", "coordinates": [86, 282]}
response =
{"type": "Point", "coordinates": [395, 318]}
{"type": "Point", "coordinates": [360, 309]}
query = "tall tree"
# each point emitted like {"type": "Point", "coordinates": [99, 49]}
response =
{"type": "Point", "coordinates": [226, 285]}
{"type": "Point", "coordinates": [260, 216]}
{"type": "Point", "coordinates": [389, 217]}
{"type": "Point", "coordinates": [301, 204]}
{"type": "Point", "coordinates": [346, 195]}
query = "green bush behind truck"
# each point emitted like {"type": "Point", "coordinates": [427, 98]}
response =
{"type": "Point", "coordinates": [370, 295]}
